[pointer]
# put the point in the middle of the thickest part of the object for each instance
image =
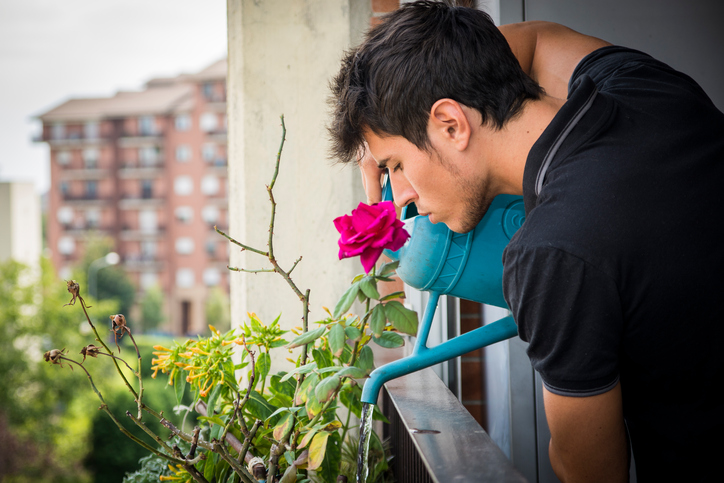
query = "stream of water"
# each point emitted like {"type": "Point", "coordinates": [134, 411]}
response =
{"type": "Point", "coordinates": [365, 428]}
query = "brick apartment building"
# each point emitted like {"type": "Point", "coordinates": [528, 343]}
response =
{"type": "Point", "coordinates": [149, 170]}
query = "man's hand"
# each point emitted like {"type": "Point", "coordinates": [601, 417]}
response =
{"type": "Point", "coordinates": [371, 177]}
{"type": "Point", "coordinates": [588, 437]}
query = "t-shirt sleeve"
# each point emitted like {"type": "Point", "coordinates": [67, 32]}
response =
{"type": "Point", "coordinates": [570, 313]}
{"type": "Point", "coordinates": [628, 72]}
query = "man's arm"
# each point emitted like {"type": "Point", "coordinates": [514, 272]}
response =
{"type": "Point", "coordinates": [549, 52]}
{"type": "Point", "coordinates": [588, 437]}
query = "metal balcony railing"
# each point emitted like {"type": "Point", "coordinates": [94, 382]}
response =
{"type": "Point", "coordinates": [435, 439]}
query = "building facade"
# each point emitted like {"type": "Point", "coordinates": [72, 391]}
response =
{"type": "Point", "coordinates": [149, 170]}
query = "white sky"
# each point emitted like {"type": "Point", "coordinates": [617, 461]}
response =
{"type": "Point", "coordinates": [53, 50]}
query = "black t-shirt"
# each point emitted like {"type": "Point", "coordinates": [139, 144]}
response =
{"type": "Point", "coordinates": [618, 272]}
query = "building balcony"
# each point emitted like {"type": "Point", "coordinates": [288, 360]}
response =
{"type": "Point", "coordinates": [135, 139]}
{"type": "Point", "coordinates": [87, 199]}
{"type": "Point", "coordinates": [134, 233]}
{"type": "Point", "coordinates": [82, 229]}
{"type": "Point", "coordinates": [137, 261]}
{"type": "Point", "coordinates": [70, 139]}
{"type": "Point", "coordinates": [136, 201]}
{"type": "Point", "coordinates": [84, 173]}
{"type": "Point", "coordinates": [141, 171]}
{"type": "Point", "coordinates": [219, 135]}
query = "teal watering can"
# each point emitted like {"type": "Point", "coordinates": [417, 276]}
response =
{"type": "Point", "coordinates": [468, 265]}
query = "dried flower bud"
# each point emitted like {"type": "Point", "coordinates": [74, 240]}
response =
{"type": "Point", "coordinates": [53, 355]}
{"type": "Point", "coordinates": [90, 350]}
{"type": "Point", "coordinates": [74, 289]}
{"type": "Point", "coordinates": [118, 321]}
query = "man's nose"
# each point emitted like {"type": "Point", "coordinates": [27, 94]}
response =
{"type": "Point", "coordinates": [402, 191]}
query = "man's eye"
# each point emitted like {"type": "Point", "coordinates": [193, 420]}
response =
{"type": "Point", "coordinates": [397, 167]}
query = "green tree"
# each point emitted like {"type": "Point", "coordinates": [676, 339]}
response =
{"type": "Point", "coordinates": [217, 309]}
{"type": "Point", "coordinates": [111, 282]}
{"type": "Point", "coordinates": [152, 309]}
{"type": "Point", "coordinates": [44, 418]}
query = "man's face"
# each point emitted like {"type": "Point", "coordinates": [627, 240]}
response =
{"type": "Point", "coordinates": [455, 195]}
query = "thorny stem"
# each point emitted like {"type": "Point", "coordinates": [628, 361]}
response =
{"type": "Point", "coordinates": [139, 400]}
{"type": "Point", "coordinates": [100, 339]}
{"type": "Point", "coordinates": [122, 428]}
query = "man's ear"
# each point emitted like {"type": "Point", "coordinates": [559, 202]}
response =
{"type": "Point", "coordinates": [449, 124]}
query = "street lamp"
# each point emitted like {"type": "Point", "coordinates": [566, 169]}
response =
{"type": "Point", "coordinates": [111, 259]}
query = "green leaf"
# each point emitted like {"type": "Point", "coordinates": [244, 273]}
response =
{"type": "Point", "coordinates": [179, 385]}
{"type": "Point", "coordinates": [326, 387]}
{"type": "Point", "coordinates": [317, 450]}
{"type": "Point", "coordinates": [337, 339]}
{"type": "Point", "coordinates": [306, 389]}
{"type": "Point", "coordinates": [211, 402]}
{"type": "Point", "coordinates": [388, 268]}
{"type": "Point", "coordinates": [365, 360]}
{"type": "Point", "coordinates": [353, 333]}
{"type": "Point", "coordinates": [313, 406]}
{"type": "Point", "coordinates": [263, 364]}
{"type": "Point", "coordinates": [353, 372]}
{"type": "Point", "coordinates": [389, 340]}
{"type": "Point", "coordinates": [378, 320]}
{"type": "Point", "coordinates": [284, 410]}
{"type": "Point", "coordinates": [211, 419]}
{"type": "Point", "coordinates": [305, 369]}
{"type": "Point", "coordinates": [346, 301]}
{"type": "Point", "coordinates": [351, 397]}
{"type": "Point", "coordinates": [369, 287]}
{"type": "Point", "coordinates": [307, 337]}
{"type": "Point", "coordinates": [259, 407]}
{"type": "Point", "coordinates": [210, 465]}
{"type": "Point", "coordinates": [402, 318]}
{"type": "Point", "coordinates": [393, 295]}
{"type": "Point", "coordinates": [283, 386]}
{"type": "Point", "coordinates": [332, 458]}
{"type": "Point", "coordinates": [322, 358]}
{"type": "Point", "coordinates": [283, 427]}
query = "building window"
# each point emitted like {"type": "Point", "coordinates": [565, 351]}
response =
{"type": "Point", "coordinates": [210, 248]}
{"type": "Point", "coordinates": [212, 277]}
{"type": "Point", "coordinates": [91, 190]}
{"type": "Point", "coordinates": [148, 156]}
{"type": "Point", "coordinates": [146, 189]}
{"type": "Point", "coordinates": [183, 185]}
{"type": "Point", "coordinates": [57, 131]}
{"type": "Point", "coordinates": [147, 221]}
{"type": "Point", "coordinates": [64, 189]}
{"type": "Point", "coordinates": [208, 122]}
{"type": "Point", "coordinates": [146, 126]}
{"type": "Point", "coordinates": [185, 277]}
{"type": "Point", "coordinates": [184, 245]}
{"type": "Point", "coordinates": [63, 158]}
{"type": "Point", "coordinates": [92, 130]}
{"type": "Point", "coordinates": [183, 153]}
{"type": "Point", "coordinates": [182, 122]}
{"type": "Point", "coordinates": [209, 185]}
{"type": "Point", "coordinates": [90, 158]}
{"type": "Point", "coordinates": [207, 90]}
{"type": "Point", "coordinates": [208, 152]}
{"type": "Point", "coordinates": [148, 250]}
{"type": "Point", "coordinates": [184, 214]}
{"type": "Point", "coordinates": [92, 218]}
{"type": "Point", "coordinates": [210, 214]}
{"type": "Point", "coordinates": [65, 215]}
{"type": "Point", "coordinates": [66, 245]}
{"type": "Point", "coordinates": [148, 280]}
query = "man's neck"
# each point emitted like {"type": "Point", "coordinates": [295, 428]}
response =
{"type": "Point", "coordinates": [508, 148]}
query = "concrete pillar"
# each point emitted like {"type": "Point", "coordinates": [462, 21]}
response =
{"type": "Point", "coordinates": [282, 55]}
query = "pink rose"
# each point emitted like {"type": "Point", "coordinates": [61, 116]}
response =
{"type": "Point", "coordinates": [368, 231]}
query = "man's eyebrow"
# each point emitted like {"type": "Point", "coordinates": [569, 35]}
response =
{"type": "Point", "coordinates": [382, 164]}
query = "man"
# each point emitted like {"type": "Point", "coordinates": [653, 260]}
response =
{"type": "Point", "coordinates": [616, 275]}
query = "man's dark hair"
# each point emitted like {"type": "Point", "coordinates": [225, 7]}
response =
{"type": "Point", "coordinates": [420, 53]}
